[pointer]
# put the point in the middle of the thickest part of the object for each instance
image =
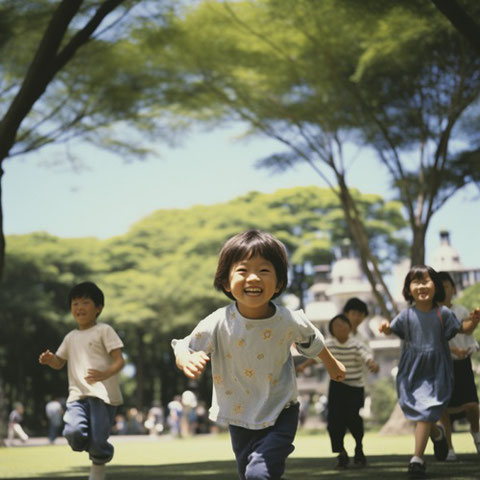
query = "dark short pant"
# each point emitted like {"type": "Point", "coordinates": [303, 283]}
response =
{"type": "Point", "coordinates": [88, 423]}
{"type": "Point", "coordinates": [344, 404]}
{"type": "Point", "coordinates": [261, 454]}
{"type": "Point", "coordinates": [464, 388]}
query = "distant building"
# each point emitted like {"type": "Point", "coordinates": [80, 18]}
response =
{"type": "Point", "coordinates": [445, 257]}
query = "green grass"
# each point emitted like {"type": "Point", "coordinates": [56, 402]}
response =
{"type": "Point", "coordinates": [210, 457]}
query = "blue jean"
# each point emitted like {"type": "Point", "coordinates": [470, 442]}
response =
{"type": "Point", "coordinates": [261, 454]}
{"type": "Point", "coordinates": [88, 423]}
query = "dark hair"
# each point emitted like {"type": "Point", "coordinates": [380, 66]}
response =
{"type": "Point", "coordinates": [87, 290]}
{"type": "Point", "coordinates": [340, 316]}
{"type": "Point", "coordinates": [446, 277]}
{"type": "Point", "coordinates": [250, 244]}
{"type": "Point", "coordinates": [418, 271]}
{"type": "Point", "coordinates": [356, 304]}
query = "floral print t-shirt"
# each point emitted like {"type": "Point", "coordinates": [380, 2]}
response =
{"type": "Point", "coordinates": [252, 366]}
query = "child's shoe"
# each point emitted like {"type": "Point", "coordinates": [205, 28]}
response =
{"type": "Point", "coordinates": [97, 472]}
{"type": "Point", "coordinates": [452, 456]}
{"type": "Point", "coordinates": [342, 460]}
{"type": "Point", "coordinates": [417, 470]}
{"type": "Point", "coordinates": [359, 460]}
{"type": "Point", "coordinates": [440, 445]}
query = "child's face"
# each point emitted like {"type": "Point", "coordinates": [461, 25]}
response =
{"type": "Point", "coordinates": [340, 330]}
{"type": "Point", "coordinates": [449, 291]}
{"type": "Point", "coordinates": [253, 282]}
{"type": "Point", "coordinates": [356, 318]}
{"type": "Point", "coordinates": [85, 312]}
{"type": "Point", "coordinates": [422, 289]}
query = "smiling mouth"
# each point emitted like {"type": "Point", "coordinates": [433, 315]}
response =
{"type": "Point", "coordinates": [253, 291]}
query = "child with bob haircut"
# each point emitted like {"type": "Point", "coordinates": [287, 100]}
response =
{"type": "Point", "coordinates": [425, 372]}
{"type": "Point", "coordinates": [94, 355]}
{"type": "Point", "coordinates": [249, 342]}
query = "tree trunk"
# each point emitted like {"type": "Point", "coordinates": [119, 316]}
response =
{"type": "Point", "coordinates": [139, 368]}
{"type": "Point", "coordinates": [417, 254]}
{"type": "Point", "coordinates": [2, 233]}
{"type": "Point", "coordinates": [368, 261]}
{"type": "Point", "coordinates": [461, 20]}
{"type": "Point", "coordinates": [397, 424]}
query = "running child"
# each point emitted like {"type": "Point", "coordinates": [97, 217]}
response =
{"type": "Point", "coordinates": [345, 399]}
{"type": "Point", "coordinates": [248, 342]}
{"type": "Point", "coordinates": [94, 355]}
{"type": "Point", "coordinates": [464, 397]}
{"type": "Point", "coordinates": [425, 371]}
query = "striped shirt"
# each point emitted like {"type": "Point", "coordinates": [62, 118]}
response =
{"type": "Point", "coordinates": [354, 355]}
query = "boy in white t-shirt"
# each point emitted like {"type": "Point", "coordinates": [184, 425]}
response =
{"type": "Point", "coordinates": [94, 355]}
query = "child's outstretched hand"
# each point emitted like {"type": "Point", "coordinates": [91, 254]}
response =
{"type": "Point", "coordinates": [336, 370]}
{"type": "Point", "coordinates": [373, 366]}
{"type": "Point", "coordinates": [193, 363]}
{"type": "Point", "coordinates": [384, 327]}
{"type": "Point", "coordinates": [46, 358]}
{"type": "Point", "coordinates": [50, 359]}
{"type": "Point", "coordinates": [470, 324]}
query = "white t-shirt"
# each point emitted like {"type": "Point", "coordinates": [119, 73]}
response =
{"type": "Point", "coordinates": [462, 340]}
{"type": "Point", "coordinates": [252, 367]}
{"type": "Point", "coordinates": [90, 348]}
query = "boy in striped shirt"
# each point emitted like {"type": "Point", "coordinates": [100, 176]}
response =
{"type": "Point", "coordinates": [345, 399]}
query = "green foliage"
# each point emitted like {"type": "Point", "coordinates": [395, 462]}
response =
{"type": "Point", "coordinates": [384, 398]}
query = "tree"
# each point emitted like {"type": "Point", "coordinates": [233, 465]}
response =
{"type": "Point", "coordinates": [394, 77]}
{"type": "Point", "coordinates": [461, 20]}
{"type": "Point", "coordinates": [70, 69]}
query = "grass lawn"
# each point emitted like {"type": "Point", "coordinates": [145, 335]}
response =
{"type": "Point", "coordinates": [210, 458]}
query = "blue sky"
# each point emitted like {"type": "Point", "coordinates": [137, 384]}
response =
{"type": "Point", "coordinates": [107, 195]}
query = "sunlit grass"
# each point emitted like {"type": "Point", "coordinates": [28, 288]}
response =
{"type": "Point", "coordinates": [210, 457]}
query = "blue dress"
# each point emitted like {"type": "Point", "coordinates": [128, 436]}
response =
{"type": "Point", "coordinates": [425, 371]}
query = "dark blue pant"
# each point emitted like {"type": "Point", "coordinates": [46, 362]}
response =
{"type": "Point", "coordinates": [87, 427]}
{"type": "Point", "coordinates": [261, 454]}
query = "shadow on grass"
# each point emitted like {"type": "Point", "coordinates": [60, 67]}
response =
{"type": "Point", "coordinates": [387, 467]}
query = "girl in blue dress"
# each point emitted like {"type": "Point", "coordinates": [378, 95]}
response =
{"type": "Point", "coordinates": [425, 371]}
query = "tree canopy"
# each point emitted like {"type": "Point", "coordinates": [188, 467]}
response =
{"type": "Point", "coordinates": [395, 77]}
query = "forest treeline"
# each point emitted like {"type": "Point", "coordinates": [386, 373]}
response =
{"type": "Point", "coordinates": [158, 283]}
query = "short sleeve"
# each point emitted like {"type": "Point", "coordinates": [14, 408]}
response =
{"type": "Point", "coordinates": [397, 325]}
{"type": "Point", "coordinates": [110, 338]}
{"type": "Point", "coordinates": [201, 338]}
{"type": "Point", "coordinates": [309, 340]}
{"type": "Point", "coordinates": [62, 350]}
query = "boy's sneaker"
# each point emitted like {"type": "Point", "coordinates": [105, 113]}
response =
{"type": "Point", "coordinates": [359, 460]}
{"type": "Point", "coordinates": [452, 456]}
{"type": "Point", "coordinates": [440, 446]}
{"type": "Point", "coordinates": [417, 470]}
{"type": "Point", "coordinates": [97, 472]}
{"type": "Point", "coordinates": [342, 460]}
{"type": "Point", "coordinates": [476, 440]}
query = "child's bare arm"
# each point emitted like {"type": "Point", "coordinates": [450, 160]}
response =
{"type": "Point", "coordinates": [385, 328]}
{"type": "Point", "coordinates": [302, 366]}
{"type": "Point", "coordinates": [335, 369]}
{"type": "Point", "coordinates": [192, 363]}
{"type": "Point", "coordinates": [50, 359]}
{"type": "Point", "coordinates": [118, 363]}
{"type": "Point", "coordinates": [470, 323]}
{"type": "Point", "coordinates": [373, 365]}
